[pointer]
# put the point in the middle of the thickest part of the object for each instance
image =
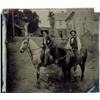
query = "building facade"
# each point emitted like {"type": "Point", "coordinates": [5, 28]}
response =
{"type": "Point", "coordinates": [84, 21]}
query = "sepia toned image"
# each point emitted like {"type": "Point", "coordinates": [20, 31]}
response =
{"type": "Point", "coordinates": [50, 50]}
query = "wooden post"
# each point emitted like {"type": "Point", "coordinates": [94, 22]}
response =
{"type": "Point", "coordinates": [13, 28]}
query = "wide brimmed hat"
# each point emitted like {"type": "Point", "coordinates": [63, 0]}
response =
{"type": "Point", "coordinates": [47, 32]}
{"type": "Point", "coordinates": [73, 31]}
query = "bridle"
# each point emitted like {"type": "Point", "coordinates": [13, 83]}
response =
{"type": "Point", "coordinates": [29, 49]}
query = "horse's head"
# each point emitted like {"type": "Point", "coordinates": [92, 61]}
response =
{"type": "Point", "coordinates": [24, 45]}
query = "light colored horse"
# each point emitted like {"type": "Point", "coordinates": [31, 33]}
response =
{"type": "Point", "coordinates": [32, 48]}
{"type": "Point", "coordinates": [34, 52]}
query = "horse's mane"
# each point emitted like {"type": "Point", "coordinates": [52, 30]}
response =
{"type": "Point", "coordinates": [33, 42]}
{"type": "Point", "coordinates": [35, 45]}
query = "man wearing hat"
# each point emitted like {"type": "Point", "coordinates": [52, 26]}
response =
{"type": "Point", "coordinates": [47, 43]}
{"type": "Point", "coordinates": [47, 40]}
{"type": "Point", "coordinates": [74, 43]}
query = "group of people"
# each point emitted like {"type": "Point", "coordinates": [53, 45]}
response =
{"type": "Point", "coordinates": [74, 42]}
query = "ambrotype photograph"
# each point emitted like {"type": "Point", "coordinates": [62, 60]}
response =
{"type": "Point", "coordinates": [50, 50]}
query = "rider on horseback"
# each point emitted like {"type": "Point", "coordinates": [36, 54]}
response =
{"type": "Point", "coordinates": [74, 44]}
{"type": "Point", "coordinates": [47, 43]}
{"type": "Point", "coordinates": [47, 40]}
{"type": "Point", "coordinates": [50, 47]}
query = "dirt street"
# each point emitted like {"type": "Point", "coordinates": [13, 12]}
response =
{"type": "Point", "coordinates": [22, 74]}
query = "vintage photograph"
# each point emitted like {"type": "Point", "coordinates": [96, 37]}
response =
{"type": "Point", "coordinates": [50, 50]}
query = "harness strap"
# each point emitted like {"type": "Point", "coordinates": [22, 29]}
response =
{"type": "Point", "coordinates": [30, 50]}
{"type": "Point", "coordinates": [61, 58]}
{"type": "Point", "coordinates": [37, 48]}
{"type": "Point", "coordinates": [34, 49]}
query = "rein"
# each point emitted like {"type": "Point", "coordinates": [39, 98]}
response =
{"type": "Point", "coordinates": [36, 48]}
{"type": "Point", "coordinates": [30, 50]}
{"type": "Point", "coordinates": [33, 49]}
{"type": "Point", "coordinates": [61, 58]}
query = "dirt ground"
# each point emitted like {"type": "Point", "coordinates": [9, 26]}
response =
{"type": "Point", "coordinates": [21, 76]}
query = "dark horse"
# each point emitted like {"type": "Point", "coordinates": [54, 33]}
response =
{"type": "Point", "coordinates": [64, 58]}
{"type": "Point", "coordinates": [71, 60]}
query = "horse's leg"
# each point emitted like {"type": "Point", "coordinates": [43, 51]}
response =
{"type": "Point", "coordinates": [38, 72]}
{"type": "Point", "coordinates": [64, 70]}
{"type": "Point", "coordinates": [69, 73]}
{"type": "Point", "coordinates": [82, 65]}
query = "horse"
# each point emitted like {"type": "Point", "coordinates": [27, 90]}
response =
{"type": "Point", "coordinates": [32, 48]}
{"type": "Point", "coordinates": [60, 56]}
{"type": "Point", "coordinates": [66, 59]}
{"type": "Point", "coordinates": [38, 59]}
{"type": "Point", "coordinates": [71, 61]}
